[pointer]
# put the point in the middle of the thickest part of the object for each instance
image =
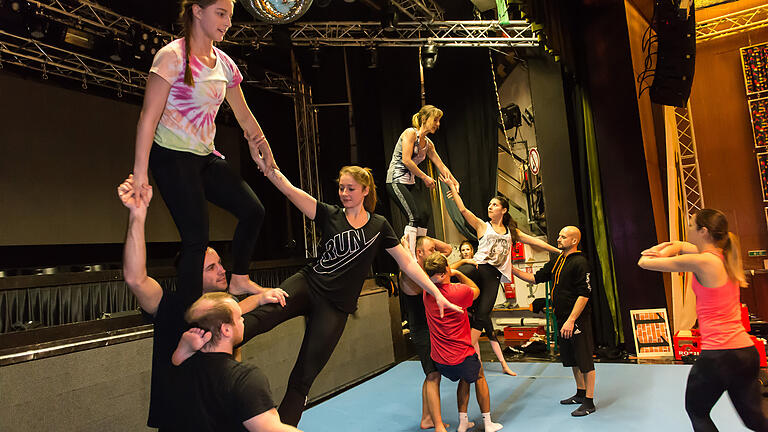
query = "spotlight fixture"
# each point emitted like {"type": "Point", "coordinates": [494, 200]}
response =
{"type": "Point", "coordinates": [389, 19]}
{"type": "Point", "coordinates": [429, 56]}
{"type": "Point", "coordinates": [373, 57]}
{"type": "Point", "coordinates": [37, 26]}
{"type": "Point", "coordinates": [118, 50]}
{"type": "Point", "coordinates": [315, 56]}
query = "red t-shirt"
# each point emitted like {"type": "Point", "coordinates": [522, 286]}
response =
{"type": "Point", "coordinates": [450, 335]}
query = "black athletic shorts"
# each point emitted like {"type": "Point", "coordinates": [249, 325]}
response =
{"type": "Point", "coordinates": [417, 323]}
{"type": "Point", "coordinates": [468, 370]}
{"type": "Point", "coordinates": [577, 351]}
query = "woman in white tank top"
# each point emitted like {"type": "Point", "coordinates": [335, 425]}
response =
{"type": "Point", "coordinates": [495, 240]}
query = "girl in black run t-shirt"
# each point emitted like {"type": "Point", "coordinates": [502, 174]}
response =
{"type": "Point", "coordinates": [326, 292]}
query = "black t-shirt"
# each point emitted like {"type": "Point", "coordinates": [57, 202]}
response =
{"type": "Point", "coordinates": [214, 392]}
{"type": "Point", "coordinates": [169, 325]}
{"type": "Point", "coordinates": [346, 255]}
{"type": "Point", "coordinates": [570, 280]}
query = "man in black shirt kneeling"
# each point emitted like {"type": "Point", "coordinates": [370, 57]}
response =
{"type": "Point", "coordinates": [569, 274]}
{"type": "Point", "coordinates": [215, 392]}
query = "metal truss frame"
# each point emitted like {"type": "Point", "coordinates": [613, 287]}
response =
{"type": "Point", "coordinates": [418, 10]}
{"type": "Point", "coordinates": [307, 138]}
{"type": "Point", "coordinates": [407, 34]}
{"type": "Point", "coordinates": [48, 59]}
{"type": "Point", "coordinates": [689, 161]}
{"type": "Point", "coordinates": [726, 25]}
{"type": "Point", "coordinates": [93, 15]}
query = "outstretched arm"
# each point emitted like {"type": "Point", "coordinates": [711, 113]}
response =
{"type": "Point", "coordinates": [533, 241]}
{"type": "Point", "coordinates": [463, 261]}
{"type": "Point", "coordinates": [524, 275]}
{"type": "Point", "coordinates": [435, 158]}
{"type": "Point", "coordinates": [302, 200]}
{"type": "Point", "coordinates": [470, 217]}
{"type": "Point", "coordinates": [409, 266]}
{"type": "Point", "coordinates": [268, 421]}
{"type": "Point", "coordinates": [680, 263]}
{"type": "Point", "coordinates": [669, 249]}
{"type": "Point", "coordinates": [273, 295]}
{"type": "Point", "coordinates": [257, 142]}
{"type": "Point", "coordinates": [147, 291]}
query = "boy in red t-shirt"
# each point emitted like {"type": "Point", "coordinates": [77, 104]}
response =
{"type": "Point", "coordinates": [452, 349]}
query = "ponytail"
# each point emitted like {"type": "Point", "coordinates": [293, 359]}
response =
{"type": "Point", "coordinates": [717, 225]}
{"type": "Point", "coordinates": [734, 267]}
{"type": "Point", "coordinates": [187, 22]}
{"type": "Point", "coordinates": [426, 112]}
{"type": "Point", "coordinates": [364, 176]}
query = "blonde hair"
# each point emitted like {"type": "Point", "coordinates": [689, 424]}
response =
{"type": "Point", "coordinates": [209, 312]}
{"type": "Point", "coordinates": [364, 176]}
{"type": "Point", "coordinates": [717, 225]}
{"type": "Point", "coordinates": [435, 264]}
{"type": "Point", "coordinates": [186, 18]}
{"type": "Point", "coordinates": [426, 112]}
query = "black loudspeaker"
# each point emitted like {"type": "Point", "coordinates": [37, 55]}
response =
{"type": "Point", "coordinates": [676, 53]}
{"type": "Point", "coordinates": [512, 116]}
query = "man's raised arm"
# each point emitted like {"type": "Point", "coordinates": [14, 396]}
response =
{"type": "Point", "coordinates": [147, 291]}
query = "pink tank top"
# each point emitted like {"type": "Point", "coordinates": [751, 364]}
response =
{"type": "Point", "coordinates": [719, 312]}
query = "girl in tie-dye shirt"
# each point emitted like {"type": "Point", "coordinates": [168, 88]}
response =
{"type": "Point", "coordinates": [188, 81]}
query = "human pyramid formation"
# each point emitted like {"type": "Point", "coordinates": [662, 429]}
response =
{"type": "Point", "coordinates": [198, 382]}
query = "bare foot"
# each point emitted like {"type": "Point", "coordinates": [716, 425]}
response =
{"type": "Point", "coordinates": [429, 424]}
{"type": "Point", "coordinates": [509, 371]}
{"type": "Point", "coordinates": [241, 284]}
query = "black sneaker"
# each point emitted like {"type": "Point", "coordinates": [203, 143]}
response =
{"type": "Point", "coordinates": [573, 400]}
{"type": "Point", "coordinates": [583, 410]}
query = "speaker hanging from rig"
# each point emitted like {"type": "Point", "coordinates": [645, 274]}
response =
{"type": "Point", "coordinates": [676, 52]}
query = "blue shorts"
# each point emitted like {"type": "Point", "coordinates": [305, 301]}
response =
{"type": "Point", "coordinates": [468, 370]}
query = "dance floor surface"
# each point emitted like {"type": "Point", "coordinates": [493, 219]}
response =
{"type": "Point", "coordinates": [629, 397]}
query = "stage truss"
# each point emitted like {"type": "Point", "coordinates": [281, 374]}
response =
{"type": "Point", "coordinates": [489, 34]}
{"type": "Point", "coordinates": [733, 23]}
{"type": "Point", "coordinates": [426, 28]}
{"type": "Point", "coordinates": [419, 10]}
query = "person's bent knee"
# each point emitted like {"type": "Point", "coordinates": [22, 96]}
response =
{"type": "Point", "coordinates": [433, 377]}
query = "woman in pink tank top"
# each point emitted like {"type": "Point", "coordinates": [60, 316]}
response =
{"type": "Point", "coordinates": [729, 361]}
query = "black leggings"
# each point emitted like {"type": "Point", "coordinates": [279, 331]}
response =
{"type": "Point", "coordinates": [324, 326]}
{"type": "Point", "coordinates": [186, 181]}
{"type": "Point", "coordinates": [732, 370]}
{"type": "Point", "coordinates": [417, 214]}
{"type": "Point", "coordinates": [481, 308]}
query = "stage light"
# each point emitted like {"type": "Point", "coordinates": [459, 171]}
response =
{"type": "Point", "coordinates": [389, 19]}
{"type": "Point", "coordinates": [37, 26]}
{"type": "Point", "coordinates": [373, 57]}
{"type": "Point", "coordinates": [78, 38]}
{"type": "Point", "coordinates": [118, 50]}
{"type": "Point", "coordinates": [429, 56]}
{"type": "Point", "coordinates": [315, 56]}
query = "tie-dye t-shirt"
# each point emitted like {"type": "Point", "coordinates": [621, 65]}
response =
{"type": "Point", "coordinates": [187, 123]}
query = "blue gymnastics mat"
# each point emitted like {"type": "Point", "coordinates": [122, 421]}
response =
{"type": "Point", "coordinates": [629, 397]}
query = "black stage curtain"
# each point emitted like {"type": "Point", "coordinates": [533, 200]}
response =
{"type": "Point", "coordinates": [385, 98]}
{"type": "Point", "coordinates": [461, 84]}
{"type": "Point", "coordinates": [66, 304]}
